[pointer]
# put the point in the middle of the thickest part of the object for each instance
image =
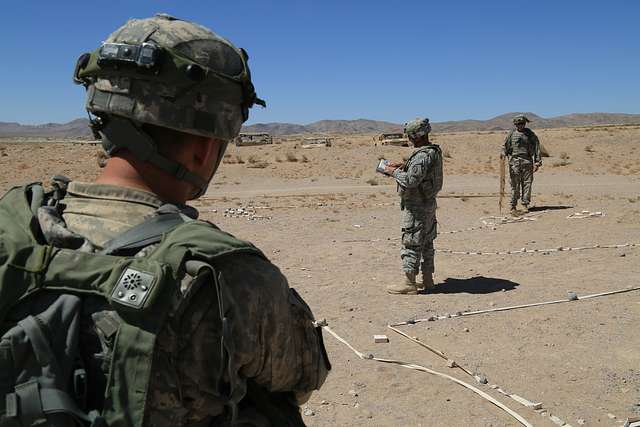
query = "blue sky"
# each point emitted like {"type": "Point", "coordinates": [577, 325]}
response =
{"type": "Point", "coordinates": [331, 59]}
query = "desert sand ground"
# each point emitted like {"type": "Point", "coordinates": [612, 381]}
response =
{"type": "Point", "coordinates": [332, 225]}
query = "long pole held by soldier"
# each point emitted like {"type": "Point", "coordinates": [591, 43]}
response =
{"type": "Point", "coordinates": [502, 180]}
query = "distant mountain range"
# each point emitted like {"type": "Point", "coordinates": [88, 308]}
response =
{"type": "Point", "coordinates": [79, 128]}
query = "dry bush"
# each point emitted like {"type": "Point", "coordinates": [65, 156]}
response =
{"type": "Point", "coordinates": [564, 156]}
{"type": "Point", "coordinates": [561, 163]}
{"type": "Point", "coordinates": [291, 157]}
{"type": "Point", "coordinates": [253, 159]}
{"type": "Point", "coordinates": [544, 152]}
{"type": "Point", "coordinates": [239, 159]}
{"type": "Point", "coordinates": [278, 159]}
{"type": "Point", "coordinates": [258, 164]}
{"type": "Point", "coordinates": [446, 153]}
{"type": "Point", "coordinates": [305, 159]}
{"type": "Point", "coordinates": [372, 181]}
{"type": "Point", "coordinates": [589, 149]}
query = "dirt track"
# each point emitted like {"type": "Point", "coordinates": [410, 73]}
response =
{"type": "Point", "coordinates": [334, 235]}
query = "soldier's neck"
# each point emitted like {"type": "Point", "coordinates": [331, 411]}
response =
{"type": "Point", "coordinates": [124, 170]}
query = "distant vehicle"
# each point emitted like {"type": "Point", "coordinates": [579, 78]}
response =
{"type": "Point", "coordinates": [316, 142]}
{"type": "Point", "coordinates": [397, 138]}
{"type": "Point", "coordinates": [248, 139]}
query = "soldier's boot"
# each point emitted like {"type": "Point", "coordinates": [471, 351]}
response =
{"type": "Point", "coordinates": [514, 211]}
{"type": "Point", "coordinates": [525, 208]}
{"type": "Point", "coordinates": [427, 282]}
{"type": "Point", "coordinates": [408, 287]}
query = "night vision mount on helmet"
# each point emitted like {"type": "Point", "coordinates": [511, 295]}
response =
{"type": "Point", "coordinates": [166, 72]}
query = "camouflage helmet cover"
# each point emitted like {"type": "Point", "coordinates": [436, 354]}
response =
{"type": "Point", "coordinates": [520, 118]}
{"type": "Point", "coordinates": [201, 85]}
{"type": "Point", "coordinates": [417, 128]}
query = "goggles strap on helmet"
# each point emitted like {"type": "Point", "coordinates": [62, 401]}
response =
{"type": "Point", "coordinates": [141, 145]}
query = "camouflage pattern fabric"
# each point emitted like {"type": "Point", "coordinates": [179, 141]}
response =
{"type": "Point", "coordinates": [417, 128]}
{"type": "Point", "coordinates": [523, 149]}
{"type": "Point", "coordinates": [276, 345]}
{"type": "Point", "coordinates": [419, 182]}
{"type": "Point", "coordinates": [523, 144]}
{"type": "Point", "coordinates": [100, 212]}
{"type": "Point", "coordinates": [213, 105]}
{"type": "Point", "coordinates": [419, 230]}
{"type": "Point", "coordinates": [521, 179]}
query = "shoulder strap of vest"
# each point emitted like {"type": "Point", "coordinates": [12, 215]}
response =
{"type": "Point", "coordinates": [142, 235]}
{"type": "Point", "coordinates": [422, 150]}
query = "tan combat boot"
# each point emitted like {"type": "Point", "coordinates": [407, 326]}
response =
{"type": "Point", "coordinates": [514, 211]}
{"type": "Point", "coordinates": [525, 208]}
{"type": "Point", "coordinates": [409, 286]}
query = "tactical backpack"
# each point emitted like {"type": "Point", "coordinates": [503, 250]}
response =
{"type": "Point", "coordinates": [78, 329]}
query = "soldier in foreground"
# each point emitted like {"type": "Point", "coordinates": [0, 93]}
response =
{"type": "Point", "coordinates": [522, 147]}
{"type": "Point", "coordinates": [419, 181]}
{"type": "Point", "coordinates": [180, 323]}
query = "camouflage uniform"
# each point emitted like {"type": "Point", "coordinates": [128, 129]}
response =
{"type": "Point", "coordinates": [418, 184]}
{"type": "Point", "coordinates": [276, 345]}
{"type": "Point", "coordinates": [523, 149]}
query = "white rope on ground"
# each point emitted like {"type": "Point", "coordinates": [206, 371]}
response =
{"type": "Point", "coordinates": [585, 214]}
{"type": "Point", "coordinates": [516, 307]}
{"type": "Point", "coordinates": [450, 362]}
{"type": "Point", "coordinates": [538, 251]}
{"type": "Point", "coordinates": [421, 368]}
{"type": "Point", "coordinates": [486, 224]}
{"type": "Point", "coordinates": [481, 379]}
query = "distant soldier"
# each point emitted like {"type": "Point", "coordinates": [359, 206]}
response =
{"type": "Point", "coordinates": [419, 181]}
{"type": "Point", "coordinates": [523, 149]}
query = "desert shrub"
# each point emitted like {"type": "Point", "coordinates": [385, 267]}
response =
{"type": "Point", "coordinates": [228, 159]}
{"type": "Point", "coordinates": [544, 152]}
{"type": "Point", "coordinates": [291, 157]}
{"type": "Point", "coordinates": [564, 156]}
{"type": "Point", "coordinates": [563, 162]}
{"type": "Point", "coordinates": [305, 159]}
{"type": "Point", "coordinates": [258, 164]}
{"type": "Point", "coordinates": [239, 159]}
{"type": "Point", "coordinates": [372, 181]}
{"type": "Point", "coordinates": [446, 153]}
{"type": "Point", "coordinates": [589, 149]}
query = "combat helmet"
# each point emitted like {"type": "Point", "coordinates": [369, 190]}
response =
{"type": "Point", "coordinates": [520, 118]}
{"type": "Point", "coordinates": [170, 73]}
{"type": "Point", "coordinates": [417, 128]}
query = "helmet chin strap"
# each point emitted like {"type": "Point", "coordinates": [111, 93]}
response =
{"type": "Point", "coordinates": [134, 139]}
